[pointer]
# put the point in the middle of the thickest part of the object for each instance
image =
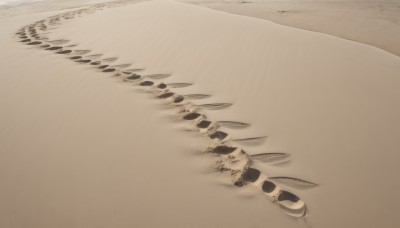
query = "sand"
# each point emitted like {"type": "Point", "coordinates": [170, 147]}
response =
{"type": "Point", "coordinates": [88, 147]}
{"type": "Point", "coordinates": [373, 22]}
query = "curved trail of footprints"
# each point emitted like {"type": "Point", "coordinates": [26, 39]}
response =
{"type": "Point", "coordinates": [232, 160]}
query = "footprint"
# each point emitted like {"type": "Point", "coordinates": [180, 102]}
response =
{"type": "Point", "coordinates": [26, 40]}
{"type": "Point", "coordinates": [223, 150]}
{"type": "Point", "coordinates": [251, 175]}
{"type": "Point", "coordinates": [133, 77]}
{"type": "Point", "coordinates": [270, 189]}
{"type": "Point", "coordinates": [291, 204]}
{"type": "Point", "coordinates": [220, 135]}
{"type": "Point", "coordinates": [104, 67]}
{"type": "Point", "coordinates": [58, 42]}
{"type": "Point", "coordinates": [64, 52]}
{"type": "Point", "coordinates": [178, 99]}
{"type": "Point", "coordinates": [53, 48]}
{"type": "Point", "coordinates": [192, 116]}
{"type": "Point", "coordinates": [152, 76]}
{"type": "Point", "coordinates": [146, 83]}
{"type": "Point", "coordinates": [95, 63]}
{"type": "Point", "coordinates": [81, 52]}
{"type": "Point", "coordinates": [34, 43]}
{"type": "Point", "coordinates": [162, 86]}
{"type": "Point", "coordinates": [83, 61]}
{"type": "Point", "coordinates": [108, 70]}
{"type": "Point", "coordinates": [166, 95]}
{"type": "Point", "coordinates": [204, 124]}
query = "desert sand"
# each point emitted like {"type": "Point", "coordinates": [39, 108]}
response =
{"type": "Point", "coordinates": [373, 22]}
{"type": "Point", "coordinates": [167, 114]}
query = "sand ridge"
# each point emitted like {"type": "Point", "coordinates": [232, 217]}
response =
{"type": "Point", "coordinates": [228, 159]}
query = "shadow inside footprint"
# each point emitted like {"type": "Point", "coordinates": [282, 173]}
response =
{"type": "Point", "coordinates": [162, 86]}
{"type": "Point", "coordinates": [81, 52]}
{"type": "Point", "coordinates": [108, 70]}
{"type": "Point", "coordinates": [54, 48]}
{"type": "Point", "coordinates": [64, 52]}
{"type": "Point", "coordinates": [146, 83]}
{"type": "Point", "coordinates": [84, 61]}
{"type": "Point", "coordinates": [204, 124]}
{"type": "Point", "coordinates": [224, 150]}
{"type": "Point", "coordinates": [192, 116]}
{"type": "Point", "coordinates": [103, 67]}
{"type": "Point", "coordinates": [166, 95]}
{"type": "Point", "coordinates": [178, 99]}
{"type": "Point", "coordinates": [268, 186]}
{"type": "Point", "coordinates": [133, 77]}
{"type": "Point", "coordinates": [34, 43]}
{"type": "Point", "coordinates": [288, 196]}
{"type": "Point", "coordinates": [251, 175]}
{"type": "Point", "coordinates": [220, 135]}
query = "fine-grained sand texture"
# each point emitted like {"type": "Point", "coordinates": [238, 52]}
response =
{"type": "Point", "coordinates": [126, 108]}
{"type": "Point", "coordinates": [373, 22]}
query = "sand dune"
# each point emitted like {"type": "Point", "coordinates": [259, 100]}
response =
{"type": "Point", "coordinates": [299, 122]}
{"type": "Point", "coordinates": [373, 22]}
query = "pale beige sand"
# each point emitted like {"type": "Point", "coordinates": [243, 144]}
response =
{"type": "Point", "coordinates": [374, 22]}
{"type": "Point", "coordinates": [21, 8]}
{"type": "Point", "coordinates": [81, 148]}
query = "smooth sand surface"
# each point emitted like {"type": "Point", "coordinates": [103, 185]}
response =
{"type": "Point", "coordinates": [82, 148]}
{"type": "Point", "coordinates": [373, 22]}
{"type": "Point", "coordinates": [13, 8]}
